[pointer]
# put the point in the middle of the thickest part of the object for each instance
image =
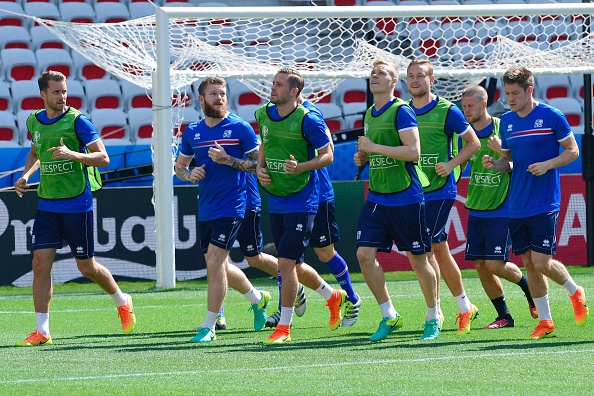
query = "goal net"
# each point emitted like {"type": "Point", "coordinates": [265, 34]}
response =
{"type": "Point", "coordinates": [176, 47]}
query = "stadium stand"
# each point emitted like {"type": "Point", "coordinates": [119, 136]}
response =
{"type": "Point", "coordinates": [55, 59]}
{"type": "Point", "coordinates": [112, 126]}
{"type": "Point", "coordinates": [9, 132]}
{"type": "Point", "coordinates": [25, 95]}
{"type": "Point", "coordinates": [5, 97]}
{"type": "Point", "coordinates": [18, 64]}
{"type": "Point", "coordinates": [14, 37]}
{"type": "Point", "coordinates": [104, 94]}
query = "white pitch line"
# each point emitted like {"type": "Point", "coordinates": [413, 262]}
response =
{"type": "Point", "coordinates": [291, 368]}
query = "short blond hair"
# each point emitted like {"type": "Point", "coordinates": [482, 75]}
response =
{"type": "Point", "coordinates": [421, 62]}
{"type": "Point", "coordinates": [394, 70]}
{"type": "Point", "coordinates": [475, 91]}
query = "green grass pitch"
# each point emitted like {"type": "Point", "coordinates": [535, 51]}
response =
{"type": "Point", "coordinates": [90, 355]}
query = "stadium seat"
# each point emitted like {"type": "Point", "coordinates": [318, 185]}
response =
{"type": "Point", "coordinates": [345, 2]}
{"type": "Point", "coordinates": [577, 86]}
{"type": "Point", "coordinates": [42, 37]}
{"type": "Point", "coordinates": [104, 94]}
{"type": "Point", "coordinates": [572, 108]}
{"type": "Point", "coordinates": [353, 121]}
{"type": "Point", "coordinates": [11, 19]}
{"type": "Point", "coordinates": [55, 59]}
{"type": "Point", "coordinates": [14, 37]}
{"type": "Point", "coordinates": [550, 87]}
{"type": "Point", "coordinates": [42, 10]}
{"type": "Point", "coordinates": [139, 9]}
{"type": "Point", "coordinates": [25, 95]}
{"type": "Point", "coordinates": [18, 64]}
{"type": "Point", "coordinates": [189, 115]}
{"type": "Point", "coordinates": [21, 117]}
{"type": "Point", "coordinates": [352, 90]}
{"type": "Point", "coordinates": [111, 125]}
{"type": "Point", "coordinates": [109, 12]}
{"type": "Point", "coordinates": [332, 116]}
{"type": "Point", "coordinates": [85, 70]}
{"type": "Point", "coordinates": [247, 113]}
{"type": "Point", "coordinates": [241, 95]}
{"type": "Point", "coordinates": [401, 90]}
{"type": "Point", "coordinates": [77, 12]}
{"type": "Point", "coordinates": [140, 122]}
{"type": "Point", "coordinates": [384, 27]}
{"type": "Point", "coordinates": [76, 95]}
{"type": "Point", "coordinates": [5, 97]}
{"type": "Point", "coordinates": [135, 96]}
{"type": "Point", "coordinates": [9, 132]}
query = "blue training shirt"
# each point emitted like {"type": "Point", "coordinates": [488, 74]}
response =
{"type": "Point", "coordinates": [222, 193]}
{"type": "Point", "coordinates": [306, 200]}
{"type": "Point", "coordinates": [455, 124]}
{"type": "Point", "coordinates": [326, 189]}
{"type": "Point", "coordinates": [86, 133]}
{"type": "Point", "coordinates": [503, 209]}
{"type": "Point", "coordinates": [530, 139]}
{"type": "Point", "coordinates": [405, 119]}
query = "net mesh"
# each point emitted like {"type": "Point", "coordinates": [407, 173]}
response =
{"type": "Point", "coordinates": [328, 49]}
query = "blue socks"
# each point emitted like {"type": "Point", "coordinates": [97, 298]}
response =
{"type": "Point", "coordinates": [340, 270]}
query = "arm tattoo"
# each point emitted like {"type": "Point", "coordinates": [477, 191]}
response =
{"type": "Point", "coordinates": [246, 165]}
{"type": "Point", "coordinates": [182, 173]}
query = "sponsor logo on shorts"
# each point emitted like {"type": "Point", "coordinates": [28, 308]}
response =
{"type": "Point", "coordinates": [222, 238]}
{"type": "Point", "coordinates": [299, 227]}
{"type": "Point", "coordinates": [546, 243]}
{"type": "Point", "coordinates": [498, 249]}
{"type": "Point", "coordinates": [323, 238]}
{"type": "Point", "coordinates": [250, 248]}
{"type": "Point", "coordinates": [80, 250]}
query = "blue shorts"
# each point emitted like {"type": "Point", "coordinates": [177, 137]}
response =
{"type": "Point", "coordinates": [250, 234]}
{"type": "Point", "coordinates": [537, 233]}
{"type": "Point", "coordinates": [291, 233]}
{"type": "Point", "coordinates": [325, 229]}
{"type": "Point", "coordinates": [436, 217]}
{"type": "Point", "coordinates": [488, 239]}
{"type": "Point", "coordinates": [220, 232]}
{"type": "Point", "coordinates": [381, 226]}
{"type": "Point", "coordinates": [50, 229]}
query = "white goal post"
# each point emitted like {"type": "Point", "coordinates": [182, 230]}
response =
{"type": "Point", "coordinates": [178, 46]}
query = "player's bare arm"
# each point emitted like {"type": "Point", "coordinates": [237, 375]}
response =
{"type": "Point", "coordinates": [261, 172]}
{"type": "Point", "coordinates": [409, 151]}
{"type": "Point", "coordinates": [97, 155]}
{"type": "Point", "coordinates": [502, 164]}
{"type": "Point", "coordinates": [183, 172]}
{"type": "Point", "coordinates": [495, 144]}
{"type": "Point", "coordinates": [220, 156]}
{"type": "Point", "coordinates": [324, 158]}
{"type": "Point", "coordinates": [471, 146]}
{"type": "Point", "coordinates": [31, 166]}
{"type": "Point", "coordinates": [570, 153]}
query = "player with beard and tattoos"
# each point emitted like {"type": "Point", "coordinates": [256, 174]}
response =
{"type": "Point", "coordinates": [222, 198]}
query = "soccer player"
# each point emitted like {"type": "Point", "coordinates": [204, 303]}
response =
{"type": "Point", "coordinates": [440, 123]}
{"type": "Point", "coordinates": [222, 200]}
{"type": "Point", "coordinates": [532, 134]}
{"type": "Point", "coordinates": [66, 147]}
{"type": "Point", "coordinates": [488, 240]}
{"type": "Point", "coordinates": [250, 234]}
{"type": "Point", "coordinates": [395, 208]}
{"type": "Point", "coordinates": [324, 234]}
{"type": "Point", "coordinates": [286, 170]}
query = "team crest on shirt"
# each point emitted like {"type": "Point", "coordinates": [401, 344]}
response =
{"type": "Point", "coordinates": [227, 133]}
{"type": "Point", "coordinates": [510, 127]}
{"type": "Point", "coordinates": [538, 123]}
{"type": "Point", "coordinates": [197, 136]}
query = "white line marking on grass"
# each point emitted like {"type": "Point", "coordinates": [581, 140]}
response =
{"type": "Point", "coordinates": [291, 368]}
